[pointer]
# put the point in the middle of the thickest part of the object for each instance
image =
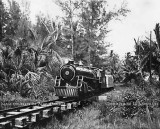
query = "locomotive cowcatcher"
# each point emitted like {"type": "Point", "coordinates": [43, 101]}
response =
{"type": "Point", "coordinates": [76, 80]}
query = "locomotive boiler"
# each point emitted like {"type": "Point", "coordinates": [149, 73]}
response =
{"type": "Point", "coordinates": [77, 80]}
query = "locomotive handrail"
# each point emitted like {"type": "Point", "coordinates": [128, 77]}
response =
{"type": "Point", "coordinates": [90, 87]}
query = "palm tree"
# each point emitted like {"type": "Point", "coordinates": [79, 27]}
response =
{"type": "Point", "coordinates": [148, 53]}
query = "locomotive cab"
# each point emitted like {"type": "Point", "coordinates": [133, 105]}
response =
{"type": "Point", "coordinates": [107, 79]}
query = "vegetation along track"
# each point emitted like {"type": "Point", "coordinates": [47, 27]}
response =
{"type": "Point", "coordinates": [24, 116]}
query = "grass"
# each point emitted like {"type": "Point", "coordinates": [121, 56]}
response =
{"type": "Point", "coordinates": [113, 113]}
{"type": "Point", "coordinates": [95, 117]}
{"type": "Point", "coordinates": [16, 100]}
{"type": "Point", "coordinates": [109, 114]}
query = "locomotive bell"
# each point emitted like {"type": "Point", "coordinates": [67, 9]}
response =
{"type": "Point", "coordinates": [80, 63]}
{"type": "Point", "coordinates": [91, 65]}
{"type": "Point", "coordinates": [71, 61]}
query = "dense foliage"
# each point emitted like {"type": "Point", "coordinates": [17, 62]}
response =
{"type": "Point", "coordinates": [86, 25]}
{"type": "Point", "coordinates": [31, 54]}
{"type": "Point", "coordinates": [146, 60]}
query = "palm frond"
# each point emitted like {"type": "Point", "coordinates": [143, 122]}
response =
{"type": "Point", "coordinates": [32, 76]}
{"type": "Point", "coordinates": [157, 33]}
{"type": "Point", "coordinates": [32, 35]}
{"type": "Point", "coordinates": [144, 60]}
{"type": "Point", "coordinates": [46, 27]}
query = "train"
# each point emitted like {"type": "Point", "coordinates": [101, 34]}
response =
{"type": "Point", "coordinates": [76, 80]}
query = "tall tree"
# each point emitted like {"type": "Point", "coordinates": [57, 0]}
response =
{"type": "Point", "coordinates": [88, 21]}
{"type": "Point", "coordinates": [4, 20]}
{"type": "Point", "coordinates": [1, 4]}
{"type": "Point", "coordinates": [24, 23]}
{"type": "Point", "coordinates": [70, 9]}
{"type": "Point", "coordinates": [94, 20]}
{"type": "Point", "coordinates": [15, 15]}
{"type": "Point", "coordinates": [147, 52]}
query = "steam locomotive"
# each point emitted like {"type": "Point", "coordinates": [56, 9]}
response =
{"type": "Point", "coordinates": [76, 80]}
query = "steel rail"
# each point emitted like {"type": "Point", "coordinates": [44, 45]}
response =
{"type": "Point", "coordinates": [10, 118]}
{"type": "Point", "coordinates": [28, 106]}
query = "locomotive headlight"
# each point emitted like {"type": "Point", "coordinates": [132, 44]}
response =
{"type": "Point", "coordinates": [67, 72]}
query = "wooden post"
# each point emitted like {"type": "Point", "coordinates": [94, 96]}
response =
{"type": "Point", "coordinates": [150, 57]}
{"type": "Point", "coordinates": [1, 21]}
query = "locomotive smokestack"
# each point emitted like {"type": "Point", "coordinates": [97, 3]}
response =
{"type": "Point", "coordinates": [71, 62]}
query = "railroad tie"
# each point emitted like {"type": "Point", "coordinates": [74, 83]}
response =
{"type": "Point", "coordinates": [5, 125]}
{"type": "Point", "coordinates": [56, 109]}
{"type": "Point", "coordinates": [63, 107]}
{"type": "Point", "coordinates": [46, 113]}
{"type": "Point", "coordinates": [20, 122]}
{"type": "Point", "coordinates": [34, 117]}
{"type": "Point", "coordinates": [69, 106]}
{"type": "Point", "coordinates": [74, 104]}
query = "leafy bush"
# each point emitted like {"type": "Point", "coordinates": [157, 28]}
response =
{"type": "Point", "coordinates": [125, 108]}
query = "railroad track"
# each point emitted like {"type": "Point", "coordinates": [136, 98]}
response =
{"type": "Point", "coordinates": [24, 116]}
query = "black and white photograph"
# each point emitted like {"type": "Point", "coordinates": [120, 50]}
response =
{"type": "Point", "coordinates": [79, 64]}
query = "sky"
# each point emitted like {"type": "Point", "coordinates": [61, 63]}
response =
{"type": "Point", "coordinates": [140, 22]}
{"type": "Point", "coordinates": [137, 24]}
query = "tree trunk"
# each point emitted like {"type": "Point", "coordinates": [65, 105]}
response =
{"type": "Point", "coordinates": [156, 30]}
{"type": "Point", "coordinates": [1, 20]}
{"type": "Point", "coordinates": [159, 72]}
